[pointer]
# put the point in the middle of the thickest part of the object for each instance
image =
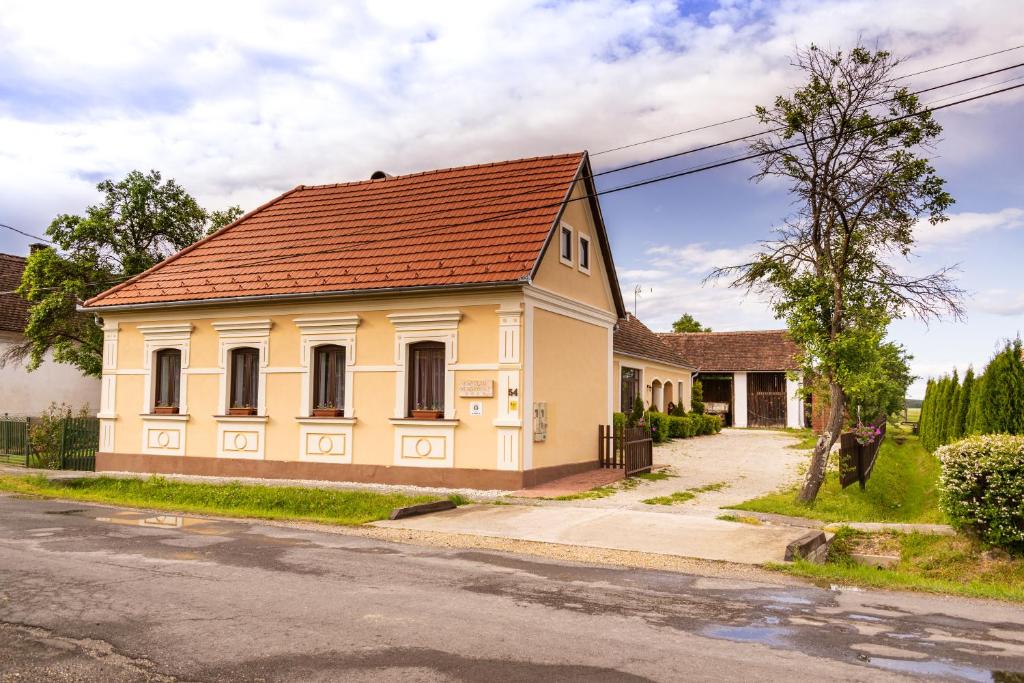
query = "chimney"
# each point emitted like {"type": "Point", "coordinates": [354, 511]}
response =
{"type": "Point", "coordinates": [36, 246]}
{"type": "Point", "coordinates": [380, 175]}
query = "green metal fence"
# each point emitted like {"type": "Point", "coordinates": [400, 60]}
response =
{"type": "Point", "coordinates": [75, 447]}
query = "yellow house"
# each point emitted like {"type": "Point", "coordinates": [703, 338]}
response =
{"type": "Point", "coordinates": [449, 328]}
{"type": "Point", "coordinates": [647, 367]}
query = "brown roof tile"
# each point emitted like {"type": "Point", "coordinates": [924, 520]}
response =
{"type": "Point", "coordinates": [13, 309]}
{"type": "Point", "coordinates": [461, 226]}
{"type": "Point", "coordinates": [633, 338]}
{"type": "Point", "coordinates": [760, 350]}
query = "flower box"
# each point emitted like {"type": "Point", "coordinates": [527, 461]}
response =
{"type": "Point", "coordinates": [165, 410]}
{"type": "Point", "coordinates": [328, 412]}
{"type": "Point", "coordinates": [427, 414]}
{"type": "Point", "coordinates": [242, 411]}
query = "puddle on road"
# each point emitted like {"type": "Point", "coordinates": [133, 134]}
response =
{"type": "Point", "coordinates": [766, 635]}
{"type": "Point", "coordinates": [934, 668]}
{"type": "Point", "coordinates": [183, 522]}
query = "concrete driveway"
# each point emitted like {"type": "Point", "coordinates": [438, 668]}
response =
{"type": "Point", "coordinates": [745, 463]}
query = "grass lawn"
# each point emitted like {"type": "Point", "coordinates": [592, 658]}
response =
{"type": "Point", "coordinates": [938, 564]}
{"type": "Point", "coordinates": [228, 500]}
{"type": "Point", "coordinates": [683, 496]}
{"type": "Point", "coordinates": [902, 488]}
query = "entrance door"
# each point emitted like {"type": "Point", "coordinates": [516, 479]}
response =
{"type": "Point", "coordinates": [766, 399]}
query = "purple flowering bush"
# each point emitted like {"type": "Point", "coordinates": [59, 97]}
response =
{"type": "Point", "coordinates": [865, 433]}
{"type": "Point", "coordinates": [982, 487]}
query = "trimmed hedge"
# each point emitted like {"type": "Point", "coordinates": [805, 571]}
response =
{"type": "Point", "coordinates": [982, 485]}
{"type": "Point", "coordinates": [659, 426]}
{"type": "Point", "coordinates": [664, 427]}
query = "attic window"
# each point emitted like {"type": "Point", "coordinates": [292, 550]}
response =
{"type": "Point", "coordinates": [565, 245]}
{"type": "Point", "coordinates": [584, 254]}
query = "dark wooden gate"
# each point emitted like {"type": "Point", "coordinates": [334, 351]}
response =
{"type": "Point", "coordinates": [766, 399]}
{"type": "Point", "coordinates": [856, 461]}
{"type": "Point", "coordinates": [631, 450]}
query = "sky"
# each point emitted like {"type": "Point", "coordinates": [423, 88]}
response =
{"type": "Point", "coordinates": [241, 101]}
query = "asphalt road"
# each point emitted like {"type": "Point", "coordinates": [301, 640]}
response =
{"type": "Point", "coordinates": [93, 593]}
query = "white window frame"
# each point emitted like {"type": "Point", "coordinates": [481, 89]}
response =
{"type": "Point", "coordinates": [236, 335]}
{"type": "Point", "coordinates": [583, 240]}
{"type": "Point", "coordinates": [157, 338]}
{"type": "Point", "coordinates": [323, 331]}
{"type": "Point", "coordinates": [562, 229]}
{"type": "Point", "coordinates": [415, 327]}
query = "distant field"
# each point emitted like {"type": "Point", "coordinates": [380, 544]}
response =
{"type": "Point", "coordinates": [913, 414]}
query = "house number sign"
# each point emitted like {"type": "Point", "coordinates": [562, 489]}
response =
{"type": "Point", "coordinates": [478, 388]}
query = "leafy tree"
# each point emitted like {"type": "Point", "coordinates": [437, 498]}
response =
{"type": "Point", "coordinates": [697, 397]}
{"type": "Point", "coordinates": [687, 323]}
{"type": "Point", "coordinates": [141, 221]}
{"type": "Point", "coordinates": [852, 144]}
{"type": "Point", "coordinates": [879, 389]}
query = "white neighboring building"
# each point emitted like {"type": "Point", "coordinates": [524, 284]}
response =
{"type": "Point", "coordinates": [29, 393]}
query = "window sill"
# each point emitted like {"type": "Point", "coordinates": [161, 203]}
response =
{"type": "Point", "coordinates": [326, 420]}
{"type": "Point", "coordinates": [241, 418]}
{"type": "Point", "coordinates": [422, 423]}
{"type": "Point", "coordinates": [170, 417]}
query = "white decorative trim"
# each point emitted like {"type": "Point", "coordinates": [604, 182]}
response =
{"type": "Point", "coordinates": [420, 423]}
{"type": "Point", "coordinates": [508, 448]}
{"type": "Point", "coordinates": [241, 437]}
{"type": "Point", "coordinates": [235, 334]}
{"type": "Point", "coordinates": [510, 322]}
{"type": "Point", "coordinates": [526, 404]}
{"type": "Point", "coordinates": [612, 379]}
{"type": "Point", "coordinates": [243, 328]}
{"type": "Point", "coordinates": [563, 226]}
{"type": "Point", "coordinates": [163, 434]}
{"type": "Point", "coordinates": [570, 308]}
{"type": "Point", "coordinates": [158, 337]}
{"type": "Point", "coordinates": [425, 320]}
{"type": "Point", "coordinates": [325, 440]}
{"type": "Point", "coordinates": [412, 327]}
{"type": "Point", "coordinates": [110, 333]}
{"type": "Point", "coordinates": [106, 434]}
{"type": "Point", "coordinates": [580, 239]}
{"type": "Point", "coordinates": [418, 445]}
{"type": "Point", "coordinates": [337, 330]}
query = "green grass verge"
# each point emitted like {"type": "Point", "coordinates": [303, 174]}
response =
{"type": "Point", "coordinates": [683, 496]}
{"type": "Point", "coordinates": [740, 519]}
{"type": "Point", "coordinates": [955, 565]}
{"type": "Point", "coordinates": [902, 488]}
{"type": "Point", "coordinates": [228, 500]}
{"type": "Point", "coordinates": [806, 439]}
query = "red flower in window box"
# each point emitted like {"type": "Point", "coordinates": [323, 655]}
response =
{"type": "Point", "coordinates": [244, 410]}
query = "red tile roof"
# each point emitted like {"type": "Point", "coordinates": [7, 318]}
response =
{"type": "Point", "coordinates": [760, 350]}
{"type": "Point", "coordinates": [633, 338]}
{"type": "Point", "coordinates": [484, 224]}
{"type": "Point", "coordinates": [13, 309]}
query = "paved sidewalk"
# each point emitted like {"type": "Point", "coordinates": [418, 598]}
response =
{"type": "Point", "coordinates": [617, 529]}
{"type": "Point", "coordinates": [575, 483]}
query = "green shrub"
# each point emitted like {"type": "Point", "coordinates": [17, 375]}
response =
{"type": "Point", "coordinates": [636, 416]}
{"type": "Point", "coordinates": [697, 397]}
{"type": "Point", "coordinates": [982, 486]}
{"type": "Point", "coordinates": [618, 422]}
{"type": "Point", "coordinates": [659, 426]}
{"type": "Point", "coordinates": [706, 424]}
{"type": "Point", "coordinates": [678, 410]}
{"type": "Point", "coordinates": [680, 427]}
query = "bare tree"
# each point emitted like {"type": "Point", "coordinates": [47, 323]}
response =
{"type": "Point", "coordinates": [853, 146]}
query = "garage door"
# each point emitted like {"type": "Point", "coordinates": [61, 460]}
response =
{"type": "Point", "coordinates": [766, 399]}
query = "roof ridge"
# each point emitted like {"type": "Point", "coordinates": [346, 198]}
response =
{"type": "Point", "coordinates": [441, 170]}
{"type": "Point", "coordinates": [13, 256]}
{"type": "Point", "coordinates": [699, 334]}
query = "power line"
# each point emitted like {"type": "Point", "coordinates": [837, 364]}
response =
{"type": "Point", "coordinates": [963, 61]}
{"type": "Point", "coordinates": [26, 234]}
{"type": "Point", "coordinates": [641, 183]}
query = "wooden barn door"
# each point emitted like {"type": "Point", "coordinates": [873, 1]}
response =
{"type": "Point", "coordinates": [766, 399]}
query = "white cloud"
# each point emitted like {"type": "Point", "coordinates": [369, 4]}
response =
{"type": "Point", "coordinates": [1000, 302]}
{"type": "Point", "coordinates": [962, 226]}
{"type": "Point", "coordinates": [239, 101]}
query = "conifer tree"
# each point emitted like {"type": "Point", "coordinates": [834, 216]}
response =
{"type": "Point", "coordinates": [964, 404]}
{"type": "Point", "coordinates": [924, 421]}
{"type": "Point", "coordinates": [1001, 396]}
